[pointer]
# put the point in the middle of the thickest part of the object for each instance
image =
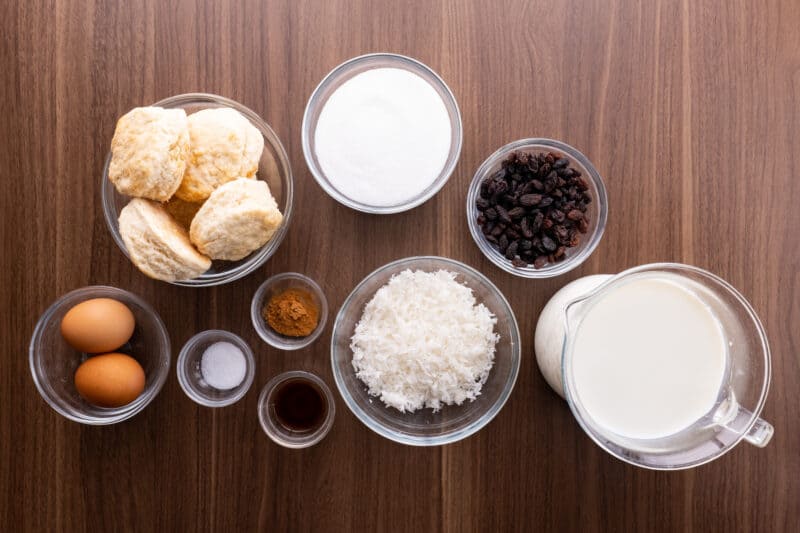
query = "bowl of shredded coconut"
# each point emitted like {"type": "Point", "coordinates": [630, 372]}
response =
{"type": "Point", "coordinates": [425, 351]}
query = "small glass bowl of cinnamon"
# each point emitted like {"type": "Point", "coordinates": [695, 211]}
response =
{"type": "Point", "coordinates": [289, 311]}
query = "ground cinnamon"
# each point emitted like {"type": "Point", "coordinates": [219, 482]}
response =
{"type": "Point", "coordinates": [292, 313]}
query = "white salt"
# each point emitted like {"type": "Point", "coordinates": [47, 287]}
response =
{"type": "Point", "coordinates": [383, 137]}
{"type": "Point", "coordinates": [223, 366]}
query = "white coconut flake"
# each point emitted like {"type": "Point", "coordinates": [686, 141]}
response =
{"type": "Point", "coordinates": [424, 341]}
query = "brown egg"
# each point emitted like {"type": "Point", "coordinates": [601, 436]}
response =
{"type": "Point", "coordinates": [98, 325]}
{"type": "Point", "coordinates": [110, 380]}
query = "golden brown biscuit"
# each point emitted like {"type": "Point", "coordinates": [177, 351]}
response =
{"type": "Point", "coordinates": [224, 146]}
{"type": "Point", "coordinates": [149, 152]}
{"type": "Point", "coordinates": [237, 218]}
{"type": "Point", "coordinates": [157, 244]}
{"type": "Point", "coordinates": [182, 211]}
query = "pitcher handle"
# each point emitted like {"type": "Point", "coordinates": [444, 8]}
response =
{"type": "Point", "coordinates": [760, 433]}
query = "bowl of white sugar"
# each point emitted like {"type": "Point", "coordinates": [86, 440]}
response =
{"type": "Point", "coordinates": [425, 351]}
{"type": "Point", "coordinates": [382, 133]}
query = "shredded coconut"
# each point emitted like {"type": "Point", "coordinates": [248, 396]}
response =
{"type": "Point", "coordinates": [424, 341]}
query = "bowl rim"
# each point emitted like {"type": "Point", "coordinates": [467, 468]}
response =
{"type": "Point", "coordinates": [191, 344]}
{"type": "Point", "coordinates": [258, 257]}
{"type": "Point", "coordinates": [469, 429]}
{"type": "Point", "coordinates": [343, 69]}
{"type": "Point", "coordinates": [274, 339]}
{"type": "Point", "coordinates": [120, 413]}
{"type": "Point", "coordinates": [571, 262]}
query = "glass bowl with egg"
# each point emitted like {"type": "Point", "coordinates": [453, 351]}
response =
{"type": "Point", "coordinates": [426, 426]}
{"type": "Point", "coordinates": [54, 362]}
{"type": "Point", "coordinates": [382, 133]}
{"type": "Point", "coordinates": [595, 215]}
{"type": "Point", "coordinates": [273, 168]}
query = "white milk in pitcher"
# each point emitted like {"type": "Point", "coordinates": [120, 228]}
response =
{"type": "Point", "coordinates": [648, 357]}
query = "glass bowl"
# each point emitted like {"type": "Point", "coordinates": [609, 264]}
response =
{"type": "Point", "coordinates": [597, 210]}
{"type": "Point", "coordinates": [53, 362]}
{"type": "Point", "coordinates": [190, 376]}
{"type": "Point", "coordinates": [344, 72]}
{"type": "Point", "coordinates": [273, 167]}
{"type": "Point", "coordinates": [275, 285]}
{"type": "Point", "coordinates": [274, 429]}
{"type": "Point", "coordinates": [424, 427]}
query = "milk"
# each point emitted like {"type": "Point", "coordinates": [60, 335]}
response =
{"type": "Point", "coordinates": [549, 338]}
{"type": "Point", "coordinates": [648, 357]}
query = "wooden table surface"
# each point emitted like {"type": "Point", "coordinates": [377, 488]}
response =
{"type": "Point", "coordinates": [688, 109]}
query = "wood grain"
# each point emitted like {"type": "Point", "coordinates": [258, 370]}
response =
{"type": "Point", "coordinates": [689, 109]}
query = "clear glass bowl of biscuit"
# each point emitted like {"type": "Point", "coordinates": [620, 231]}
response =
{"type": "Point", "coordinates": [189, 194]}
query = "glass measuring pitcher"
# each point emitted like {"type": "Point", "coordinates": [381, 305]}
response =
{"type": "Point", "coordinates": [743, 369]}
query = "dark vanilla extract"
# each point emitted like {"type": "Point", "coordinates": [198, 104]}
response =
{"type": "Point", "coordinates": [300, 405]}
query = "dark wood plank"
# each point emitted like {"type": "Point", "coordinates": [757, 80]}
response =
{"type": "Point", "coordinates": [688, 109]}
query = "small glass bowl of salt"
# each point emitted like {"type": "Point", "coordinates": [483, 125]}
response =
{"type": "Point", "coordinates": [216, 368]}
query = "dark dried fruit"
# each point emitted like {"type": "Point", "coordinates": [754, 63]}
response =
{"type": "Point", "coordinates": [519, 262]}
{"type": "Point", "coordinates": [502, 242]}
{"type": "Point", "coordinates": [516, 213]}
{"type": "Point", "coordinates": [525, 228]}
{"type": "Point", "coordinates": [540, 261]}
{"type": "Point", "coordinates": [575, 215]}
{"type": "Point", "coordinates": [530, 200]}
{"type": "Point", "coordinates": [533, 208]}
{"type": "Point", "coordinates": [538, 218]}
{"type": "Point", "coordinates": [502, 214]}
{"type": "Point", "coordinates": [511, 251]}
{"type": "Point", "coordinates": [561, 233]}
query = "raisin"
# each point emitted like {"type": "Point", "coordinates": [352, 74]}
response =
{"type": "Point", "coordinates": [502, 214]}
{"type": "Point", "coordinates": [530, 200]}
{"type": "Point", "coordinates": [533, 208]}
{"type": "Point", "coordinates": [516, 213]}
{"type": "Point", "coordinates": [519, 262]}
{"type": "Point", "coordinates": [575, 215]}
{"type": "Point", "coordinates": [540, 261]}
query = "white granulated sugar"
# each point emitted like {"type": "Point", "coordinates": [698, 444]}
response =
{"type": "Point", "coordinates": [424, 341]}
{"type": "Point", "coordinates": [383, 136]}
{"type": "Point", "coordinates": [223, 366]}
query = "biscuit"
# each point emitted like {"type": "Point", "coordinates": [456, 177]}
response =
{"type": "Point", "coordinates": [182, 211]}
{"type": "Point", "coordinates": [157, 244]}
{"type": "Point", "coordinates": [224, 146]}
{"type": "Point", "coordinates": [237, 218]}
{"type": "Point", "coordinates": [149, 152]}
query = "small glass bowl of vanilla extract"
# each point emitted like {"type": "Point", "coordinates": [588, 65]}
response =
{"type": "Point", "coordinates": [296, 409]}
